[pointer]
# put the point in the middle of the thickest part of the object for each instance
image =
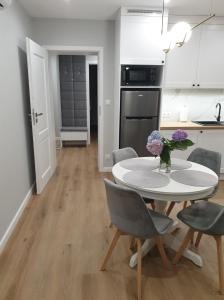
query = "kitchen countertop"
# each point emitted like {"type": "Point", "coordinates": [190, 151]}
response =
{"type": "Point", "coordinates": [169, 125]}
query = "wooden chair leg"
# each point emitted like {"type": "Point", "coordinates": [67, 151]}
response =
{"type": "Point", "coordinates": [220, 263]}
{"type": "Point", "coordinates": [139, 269]}
{"type": "Point", "coordinates": [132, 243]}
{"type": "Point", "coordinates": [198, 239]}
{"type": "Point", "coordinates": [185, 204]}
{"type": "Point", "coordinates": [184, 245]}
{"type": "Point", "coordinates": [110, 250]}
{"type": "Point", "coordinates": [192, 239]}
{"type": "Point", "coordinates": [170, 208]}
{"type": "Point", "coordinates": [159, 244]}
{"type": "Point", "coordinates": [153, 205]}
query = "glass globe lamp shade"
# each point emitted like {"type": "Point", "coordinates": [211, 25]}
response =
{"type": "Point", "coordinates": [181, 33]}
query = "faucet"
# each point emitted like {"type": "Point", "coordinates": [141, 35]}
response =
{"type": "Point", "coordinates": [218, 117]}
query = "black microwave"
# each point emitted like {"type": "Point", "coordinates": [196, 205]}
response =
{"type": "Point", "coordinates": [138, 75]}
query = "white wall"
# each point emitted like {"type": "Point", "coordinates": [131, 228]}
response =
{"type": "Point", "coordinates": [117, 79]}
{"type": "Point", "coordinates": [201, 104]}
{"type": "Point", "coordinates": [85, 33]}
{"type": "Point", "coordinates": [16, 167]}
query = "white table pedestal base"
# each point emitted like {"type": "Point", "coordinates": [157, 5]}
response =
{"type": "Point", "coordinates": [170, 241]}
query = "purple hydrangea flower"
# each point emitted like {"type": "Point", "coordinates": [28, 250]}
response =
{"type": "Point", "coordinates": [155, 147]}
{"type": "Point", "coordinates": [155, 135]}
{"type": "Point", "coordinates": [179, 135]}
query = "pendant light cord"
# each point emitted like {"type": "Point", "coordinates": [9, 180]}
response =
{"type": "Point", "coordinates": [205, 20]}
{"type": "Point", "coordinates": [163, 9]}
{"type": "Point", "coordinates": [212, 15]}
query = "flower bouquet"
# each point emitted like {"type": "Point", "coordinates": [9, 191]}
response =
{"type": "Point", "coordinates": [160, 146]}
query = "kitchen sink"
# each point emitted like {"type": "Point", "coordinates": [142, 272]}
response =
{"type": "Point", "coordinates": [209, 123]}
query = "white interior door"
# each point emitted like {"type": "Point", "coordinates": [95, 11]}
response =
{"type": "Point", "coordinates": [44, 150]}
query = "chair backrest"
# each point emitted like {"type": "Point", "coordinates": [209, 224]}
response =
{"type": "Point", "coordinates": [207, 158]}
{"type": "Point", "coordinates": [213, 216]}
{"type": "Point", "coordinates": [128, 211]}
{"type": "Point", "coordinates": [122, 154]}
{"type": "Point", "coordinates": [217, 227]}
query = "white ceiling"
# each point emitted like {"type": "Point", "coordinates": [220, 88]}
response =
{"type": "Point", "coordinates": [106, 9]}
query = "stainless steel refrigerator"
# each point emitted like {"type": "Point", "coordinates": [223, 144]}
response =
{"type": "Point", "coordinates": [139, 116]}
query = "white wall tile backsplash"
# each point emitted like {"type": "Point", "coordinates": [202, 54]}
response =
{"type": "Point", "coordinates": [201, 104]}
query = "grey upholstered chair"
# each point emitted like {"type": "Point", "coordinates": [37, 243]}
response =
{"type": "Point", "coordinates": [130, 216]}
{"type": "Point", "coordinates": [211, 160]}
{"type": "Point", "coordinates": [127, 153]}
{"type": "Point", "coordinates": [207, 158]}
{"type": "Point", "coordinates": [207, 218]}
{"type": "Point", "coordinates": [122, 154]}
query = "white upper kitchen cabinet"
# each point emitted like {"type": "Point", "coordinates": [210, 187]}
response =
{"type": "Point", "coordinates": [141, 41]}
{"type": "Point", "coordinates": [200, 62]}
{"type": "Point", "coordinates": [211, 57]}
{"type": "Point", "coordinates": [181, 63]}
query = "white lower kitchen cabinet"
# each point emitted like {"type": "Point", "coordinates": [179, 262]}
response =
{"type": "Point", "coordinates": [208, 139]}
{"type": "Point", "coordinates": [212, 140]}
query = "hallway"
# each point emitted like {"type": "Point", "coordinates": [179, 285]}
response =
{"type": "Point", "coordinates": [57, 247]}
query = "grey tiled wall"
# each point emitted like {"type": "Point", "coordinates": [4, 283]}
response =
{"type": "Point", "coordinates": [73, 91]}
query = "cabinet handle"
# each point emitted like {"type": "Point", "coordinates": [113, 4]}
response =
{"type": "Point", "coordinates": [193, 84]}
{"type": "Point", "coordinates": [201, 131]}
{"type": "Point", "coordinates": [163, 61]}
{"type": "Point", "coordinates": [198, 84]}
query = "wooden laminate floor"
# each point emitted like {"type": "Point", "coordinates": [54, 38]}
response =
{"type": "Point", "coordinates": [57, 247]}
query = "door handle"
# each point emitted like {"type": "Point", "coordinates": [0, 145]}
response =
{"type": "Point", "coordinates": [37, 115]}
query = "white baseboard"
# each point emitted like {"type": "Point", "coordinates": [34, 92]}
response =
{"type": "Point", "coordinates": [58, 143]}
{"type": "Point", "coordinates": [15, 220]}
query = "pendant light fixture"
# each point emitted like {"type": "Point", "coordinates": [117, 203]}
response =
{"type": "Point", "coordinates": [180, 33]}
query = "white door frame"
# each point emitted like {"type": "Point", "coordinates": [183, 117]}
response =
{"type": "Point", "coordinates": [99, 51]}
{"type": "Point", "coordinates": [88, 63]}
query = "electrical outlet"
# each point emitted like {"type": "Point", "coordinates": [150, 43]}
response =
{"type": "Point", "coordinates": [166, 114]}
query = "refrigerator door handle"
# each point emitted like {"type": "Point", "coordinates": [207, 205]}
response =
{"type": "Point", "coordinates": [140, 118]}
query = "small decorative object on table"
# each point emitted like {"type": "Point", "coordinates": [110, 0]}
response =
{"type": "Point", "coordinates": [160, 146]}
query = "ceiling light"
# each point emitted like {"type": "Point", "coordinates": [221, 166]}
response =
{"type": "Point", "coordinates": [181, 33]}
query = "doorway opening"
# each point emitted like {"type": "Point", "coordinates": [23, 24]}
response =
{"type": "Point", "coordinates": [90, 89]}
{"type": "Point", "coordinates": [93, 101]}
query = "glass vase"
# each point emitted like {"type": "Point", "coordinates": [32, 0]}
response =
{"type": "Point", "coordinates": [165, 165]}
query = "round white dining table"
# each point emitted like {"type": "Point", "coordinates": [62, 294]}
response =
{"type": "Point", "coordinates": [186, 181]}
